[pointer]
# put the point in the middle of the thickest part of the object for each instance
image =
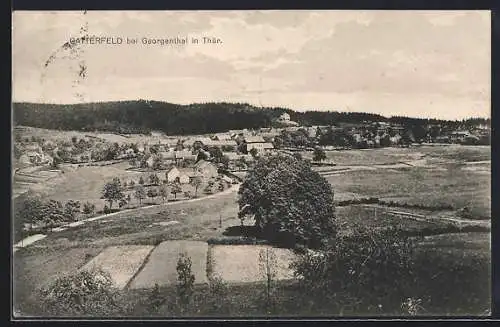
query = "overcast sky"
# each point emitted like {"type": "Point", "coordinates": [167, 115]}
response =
{"type": "Point", "coordinates": [421, 64]}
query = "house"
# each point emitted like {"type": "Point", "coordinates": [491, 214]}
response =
{"type": "Point", "coordinates": [181, 175]}
{"type": "Point", "coordinates": [173, 174]}
{"type": "Point", "coordinates": [258, 143]}
{"type": "Point", "coordinates": [167, 155]}
{"type": "Point", "coordinates": [459, 136]}
{"type": "Point", "coordinates": [206, 169]}
{"type": "Point", "coordinates": [232, 156]}
{"type": "Point", "coordinates": [254, 139]}
{"type": "Point", "coordinates": [185, 155]}
{"type": "Point", "coordinates": [150, 161]}
{"type": "Point", "coordinates": [223, 137]}
{"type": "Point", "coordinates": [284, 117]}
{"type": "Point", "coordinates": [260, 147]}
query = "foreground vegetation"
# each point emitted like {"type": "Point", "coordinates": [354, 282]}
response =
{"type": "Point", "coordinates": [365, 274]}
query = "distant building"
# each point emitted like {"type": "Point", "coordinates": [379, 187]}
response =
{"type": "Point", "coordinates": [459, 136]}
{"type": "Point", "coordinates": [260, 147]}
{"type": "Point", "coordinates": [206, 169]}
{"type": "Point", "coordinates": [223, 137]}
{"type": "Point", "coordinates": [178, 175]}
{"type": "Point", "coordinates": [284, 117]}
{"type": "Point", "coordinates": [258, 143]}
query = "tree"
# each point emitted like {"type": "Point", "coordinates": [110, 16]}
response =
{"type": "Point", "coordinates": [113, 191]}
{"type": "Point", "coordinates": [88, 208]}
{"type": "Point", "coordinates": [152, 193]}
{"type": "Point", "coordinates": [241, 163]}
{"type": "Point", "coordinates": [154, 179]}
{"type": "Point", "coordinates": [215, 153]}
{"type": "Point", "coordinates": [156, 163]}
{"type": "Point", "coordinates": [319, 154]}
{"type": "Point", "coordinates": [176, 188]}
{"type": "Point", "coordinates": [140, 193]}
{"type": "Point", "coordinates": [267, 267]}
{"type": "Point", "coordinates": [71, 209]}
{"type": "Point", "coordinates": [28, 209]}
{"type": "Point", "coordinates": [254, 152]}
{"type": "Point", "coordinates": [85, 293]}
{"type": "Point", "coordinates": [292, 204]}
{"type": "Point", "coordinates": [141, 180]}
{"type": "Point", "coordinates": [131, 183]}
{"type": "Point", "coordinates": [196, 182]}
{"type": "Point", "coordinates": [56, 161]}
{"type": "Point", "coordinates": [163, 191]}
{"type": "Point", "coordinates": [224, 160]}
{"type": "Point", "coordinates": [185, 278]}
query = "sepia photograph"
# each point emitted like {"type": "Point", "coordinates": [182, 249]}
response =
{"type": "Point", "coordinates": [251, 164]}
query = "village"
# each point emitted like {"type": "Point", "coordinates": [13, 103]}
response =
{"type": "Point", "coordinates": [235, 149]}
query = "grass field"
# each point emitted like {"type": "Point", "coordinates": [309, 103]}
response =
{"type": "Point", "coordinates": [198, 220]}
{"type": "Point", "coordinates": [385, 156]}
{"type": "Point", "coordinates": [418, 185]}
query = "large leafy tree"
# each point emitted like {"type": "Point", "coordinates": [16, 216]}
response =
{"type": "Point", "coordinates": [291, 203]}
{"type": "Point", "coordinates": [113, 191]}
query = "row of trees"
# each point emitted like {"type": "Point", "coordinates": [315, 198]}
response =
{"type": "Point", "coordinates": [34, 211]}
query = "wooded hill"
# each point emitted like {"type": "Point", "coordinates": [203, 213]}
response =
{"type": "Point", "coordinates": [174, 119]}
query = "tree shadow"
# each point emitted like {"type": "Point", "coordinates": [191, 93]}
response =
{"type": "Point", "coordinates": [245, 230]}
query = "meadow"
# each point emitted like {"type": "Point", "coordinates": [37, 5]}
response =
{"type": "Point", "coordinates": [447, 175]}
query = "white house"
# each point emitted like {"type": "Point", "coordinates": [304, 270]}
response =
{"type": "Point", "coordinates": [260, 147]}
{"type": "Point", "coordinates": [173, 174]}
{"type": "Point", "coordinates": [284, 117]}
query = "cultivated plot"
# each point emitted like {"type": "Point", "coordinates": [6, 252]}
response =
{"type": "Point", "coordinates": [162, 263]}
{"type": "Point", "coordinates": [242, 263]}
{"type": "Point", "coordinates": [121, 262]}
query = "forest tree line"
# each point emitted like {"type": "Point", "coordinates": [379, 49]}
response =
{"type": "Point", "coordinates": [174, 119]}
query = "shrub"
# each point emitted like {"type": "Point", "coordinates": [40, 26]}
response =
{"type": "Point", "coordinates": [88, 208]}
{"type": "Point", "coordinates": [185, 278]}
{"type": "Point", "coordinates": [359, 273]}
{"type": "Point", "coordinates": [217, 298]}
{"type": "Point", "coordinates": [86, 293]}
{"type": "Point", "coordinates": [155, 300]}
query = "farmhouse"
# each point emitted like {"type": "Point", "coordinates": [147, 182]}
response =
{"type": "Point", "coordinates": [223, 137]}
{"type": "Point", "coordinates": [206, 169]}
{"type": "Point", "coordinates": [258, 143]}
{"type": "Point", "coordinates": [260, 147]}
{"type": "Point", "coordinates": [173, 174]}
{"type": "Point", "coordinates": [459, 136]}
{"type": "Point", "coordinates": [185, 155]}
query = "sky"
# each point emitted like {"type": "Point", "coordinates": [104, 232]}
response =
{"type": "Point", "coordinates": [432, 64]}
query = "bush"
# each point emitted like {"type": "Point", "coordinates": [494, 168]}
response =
{"type": "Point", "coordinates": [88, 208]}
{"type": "Point", "coordinates": [217, 297]}
{"type": "Point", "coordinates": [185, 277]}
{"type": "Point", "coordinates": [361, 273]}
{"type": "Point", "coordinates": [86, 293]}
